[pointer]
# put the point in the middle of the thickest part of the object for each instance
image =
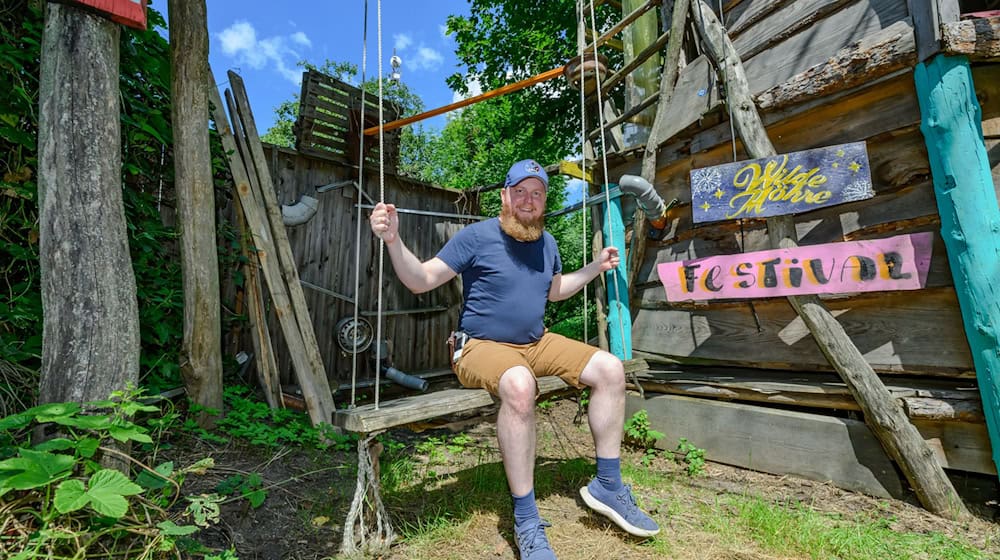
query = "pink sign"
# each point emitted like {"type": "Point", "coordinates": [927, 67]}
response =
{"type": "Point", "coordinates": [877, 265]}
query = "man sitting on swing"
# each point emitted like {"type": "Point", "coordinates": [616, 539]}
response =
{"type": "Point", "coordinates": [510, 267]}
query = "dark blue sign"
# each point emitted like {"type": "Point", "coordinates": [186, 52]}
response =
{"type": "Point", "coordinates": [782, 184]}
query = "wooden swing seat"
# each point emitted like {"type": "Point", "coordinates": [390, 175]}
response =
{"type": "Point", "coordinates": [419, 408]}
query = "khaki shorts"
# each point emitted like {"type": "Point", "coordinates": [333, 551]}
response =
{"type": "Point", "coordinates": [484, 361]}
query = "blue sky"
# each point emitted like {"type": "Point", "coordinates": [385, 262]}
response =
{"type": "Point", "coordinates": [262, 41]}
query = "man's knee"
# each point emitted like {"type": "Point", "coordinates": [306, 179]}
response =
{"type": "Point", "coordinates": [518, 387]}
{"type": "Point", "coordinates": [604, 370]}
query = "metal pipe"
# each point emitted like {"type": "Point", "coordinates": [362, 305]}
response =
{"type": "Point", "coordinates": [300, 212]}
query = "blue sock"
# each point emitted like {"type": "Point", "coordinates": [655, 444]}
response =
{"type": "Point", "coordinates": [609, 473]}
{"type": "Point", "coordinates": [525, 508]}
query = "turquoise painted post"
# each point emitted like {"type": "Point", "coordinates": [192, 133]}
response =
{"type": "Point", "coordinates": [951, 121]}
{"type": "Point", "coordinates": [619, 317]}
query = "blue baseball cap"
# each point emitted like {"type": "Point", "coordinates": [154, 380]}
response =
{"type": "Point", "coordinates": [524, 169]}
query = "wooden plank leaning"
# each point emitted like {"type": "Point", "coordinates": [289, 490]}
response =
{"type": "Point", "coordinates": [286, 259]}
{"type": "Point", "coordinates": [313, 381]}
{"type": "Point", "coordinates": [884, 416]}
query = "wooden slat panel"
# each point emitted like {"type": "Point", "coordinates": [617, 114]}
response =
{"type": "Point", "coordinates": [896, 332]}
{"type": "Point", "coordinates": [783, 23]}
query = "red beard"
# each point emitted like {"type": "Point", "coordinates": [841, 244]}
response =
{"type": "Point", "coordinates": [519, 229]}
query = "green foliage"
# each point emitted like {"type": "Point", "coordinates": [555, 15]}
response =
{"type": "Point", "coordinates": [68, 505]}
{"type": "Point", "coordinates": [249, 486]}
{"type": "Point", "coordinates": [692, 456]}
{"type": "Point", "coordinates": [253, 421]}
{"type": "Point", "coordinates": [505, 41]}
{"type": "Point", "coordinates": [639, 433]}
{"type": "Point", "coordinates": [147, 181]}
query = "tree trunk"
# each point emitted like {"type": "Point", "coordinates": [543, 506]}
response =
{"type": "Point", "coordinates": [201, 351]}
{"type": "Point", "coordinates": [90, 338]}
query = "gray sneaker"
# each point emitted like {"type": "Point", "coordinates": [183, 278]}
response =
{"type": "Point", "coordinates": [531, 541]}
{"type": "Point", "coordinates": [619, 507]}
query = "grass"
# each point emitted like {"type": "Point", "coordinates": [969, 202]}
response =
{"type": "Point", "coordinates": [795, 530]}
{"type": "Point", "coordinates": [444, 514]}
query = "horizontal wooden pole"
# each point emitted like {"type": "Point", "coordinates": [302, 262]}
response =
{"type": "Point", "coordinates": [544, 76]}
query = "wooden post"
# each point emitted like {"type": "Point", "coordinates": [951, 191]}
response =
{"type": "Point", "coordinates": [928, 15]}
{"type": "Point", "coordinates": [619, 319]}
{"type": "Point", "coordinates": [883, 415]}
{"type": "Point", "coordinates": [90, 337]}
{"type": "Point", "coordinates": [951, 121]}
{"type": "Point", "coordinates": [201, 349]}
{"type": "Point", "coordinates": [640, 227]}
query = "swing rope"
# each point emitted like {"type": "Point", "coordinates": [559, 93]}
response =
{"type": "Point", "coordinates": [604, 168]}
{"type": "Point", "coordinates": [366, 492]}
{"type": "Point", "coordinates": [583, 160]}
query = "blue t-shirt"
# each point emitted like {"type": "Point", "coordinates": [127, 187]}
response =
{"type": "Point", "coordinates": [505, 282]}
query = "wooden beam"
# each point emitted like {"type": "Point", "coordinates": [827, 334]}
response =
{"type": "Point", "coordinates": [923, 399]}
{"type": "Point", "coordinates": [979, 38]}
{"type": "Point", "coordinates": [668, 82]}
{"type": "Point", "coordinates": [318, 390]}
{"type": "Point", "coordinates": [262, 240]}
{"type": "Point", "coordinates": [887, 420]}
{"type": "Point", "coordinates": [889, 50]}
{"type": "Point", "coordinates": [967, 203]}
{"type": "Point", "coordinates": [928, 17]}
{"type": "Point", "coordinates": [509, 88]}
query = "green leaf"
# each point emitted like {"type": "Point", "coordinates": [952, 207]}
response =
{"type": "Point", "coordinates": [171, 529]}
{"type": "Point", "coordinates": [71, 495]}
{"type": "Point", "coordinates": [56, 444]}
{"type": "Point", "coordinates": [129, 432]}
{"type": "Point", "coordinates": [14, 422]}
{"type": "Point", "coordinates": [257, 498]}
{"type": "Point", "coordinates": [107, 492]}
{"type": "Point", "coordinates": [34, 469]}
{"type": "Point", "coordinates": [49, 412]}
{"type": "Point", "coordinates": [85, 422]}
{"type": "Point", "coordinates": [151, 481]}
{"type": "Point", "coordinates": [86, 447]}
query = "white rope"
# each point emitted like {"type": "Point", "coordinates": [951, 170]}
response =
{"type": "Point", "coordinates": [381, 197]}
{"type": "Point", "coordinates": [361, 189]}
{"type": "Point", "coordinates": [583, 164]}
{"type": "Point", "coordinates": [604, 163]}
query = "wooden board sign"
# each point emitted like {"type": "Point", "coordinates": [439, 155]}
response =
{"type": "Point", "coordinates": [782, 184]}
{"type": "Point", "coordinates": [126, 12]}
{"type": "Point", "coordinates": [877, 265]}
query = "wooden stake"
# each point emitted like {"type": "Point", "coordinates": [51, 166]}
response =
{"type": "Point", "coordinates": [883, 415]}
{"type": "Point", "coordinates": [289, 269]}
{"type": "Point", "coordinates": [313, 383]}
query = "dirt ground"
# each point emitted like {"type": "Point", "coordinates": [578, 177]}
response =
{"type": "Point", "coordinates": [308, 494]}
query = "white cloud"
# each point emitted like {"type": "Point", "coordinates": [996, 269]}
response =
{"type": "Point", "coordinates": [301, 38]}
{"type": "Point", "coordinates": [402, 41]}
{"type": "Point", "coordinates": [427, 59]}
{"type": "Point", "coordinates": [240, 42]}
{"type": "Point", "coordinates": [474, 89]}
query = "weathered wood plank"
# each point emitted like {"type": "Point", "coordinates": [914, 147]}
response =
{"type": "Point", "coordinates": [417, 408]}
{"type": "Point", "coordinates": [895, 332]}
{"type": "Point", "coordinates": [978, 38]}
{"type": "Point", "coordinates": [783, 23]}
{"type": "Point", "coordinates": [314, 382]}
{"type": "Point", "coordinates": [962, 446]}
{"type": "Point", "coordinates": [925, 398]}
{"type": "Point", "coordinates": [747, 13]}
{"type": "Point", "coordinates": [928, 16]}
{"type": "Point", "coordinates": [820, 41]}
{"type": "Point", "coordinates": [811, 446]}
{"type": "Point", "coordinates": [884, 52]}
{"type": "Point", "coordinates": [695, 95]}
